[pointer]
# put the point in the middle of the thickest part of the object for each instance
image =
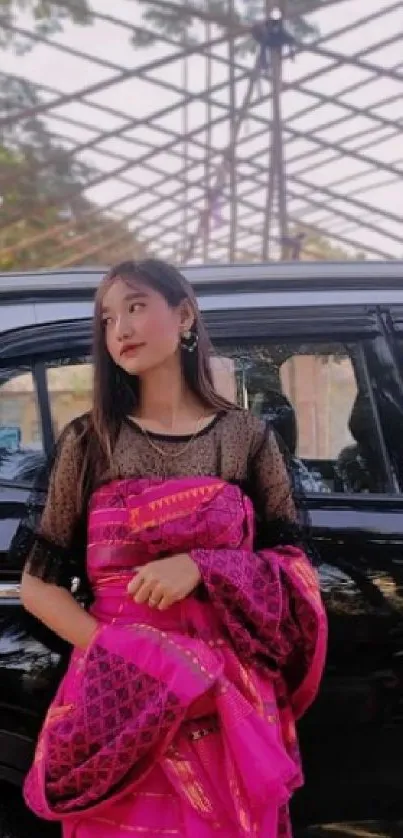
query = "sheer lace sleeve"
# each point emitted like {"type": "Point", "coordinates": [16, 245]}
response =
{"type": "Point", "coordinates": [278, 502]}
{"type": "Point", "coordinates": [50, 540]}
{"type": "Point", "coordinates": [274, 494]}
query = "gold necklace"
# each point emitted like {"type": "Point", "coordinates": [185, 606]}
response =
{"type": "Point", "coordinates": [173, 455]}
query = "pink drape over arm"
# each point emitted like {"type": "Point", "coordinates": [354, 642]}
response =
{"type": "Point", "coordinates": [269, 601]}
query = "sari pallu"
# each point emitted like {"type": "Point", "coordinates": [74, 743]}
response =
{"type": "Point", "coordinates": [194, 707]}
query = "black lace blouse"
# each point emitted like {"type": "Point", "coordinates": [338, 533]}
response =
{"type": "Point", "coordinates": [235, 446]}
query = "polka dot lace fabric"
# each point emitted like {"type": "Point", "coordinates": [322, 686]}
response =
{"type": "Point", "coordinates": [236, 446]}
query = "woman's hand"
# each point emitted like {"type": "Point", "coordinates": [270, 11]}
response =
{"type": "Point", "coordinates": [165, 581]}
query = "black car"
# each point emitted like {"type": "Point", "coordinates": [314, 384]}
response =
{"type": "Point", "coordinates": [318, 350]}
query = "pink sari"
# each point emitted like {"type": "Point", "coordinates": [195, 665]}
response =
{"type": "Point", "coordinates": [183, 722]}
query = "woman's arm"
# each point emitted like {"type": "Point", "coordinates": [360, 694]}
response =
{"type": "Point", "coordinates": [270, 484]}
{"type": "Point", "coordinates": [58, 610]}
{"type": "Point", "coordinates": [50, 550]}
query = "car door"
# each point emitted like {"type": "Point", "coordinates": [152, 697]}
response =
{"type": "Point", "coordinates": [390, 386]}
{"type": "Point", "coordinates": [352, 739]}
{"type": "Point", "coordinates": [24, 656]}
{"type": "Point", "coordinates": [31, 657]}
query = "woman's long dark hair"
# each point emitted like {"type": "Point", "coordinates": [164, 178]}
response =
{"type": "Point", "coordinates": [116, 393]}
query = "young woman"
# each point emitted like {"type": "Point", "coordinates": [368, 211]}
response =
{"type": "Point", "coordinates": [199, 649]}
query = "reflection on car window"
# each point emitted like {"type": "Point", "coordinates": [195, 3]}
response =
{"type": "Point", "coordinates": [389, 399]}
{"type": "Point", "coordinates": [309, 393]}
{"type": "Point", "coordinates": [21, 447]}
{"type": "Point", "coordinates": [70, 387]}
{"type": "Point", "coordinates": [70, 390]}
{"type": "Point", "coordinates": [224, 376]}
{"type": "Point", "coordinates": [322, 388]}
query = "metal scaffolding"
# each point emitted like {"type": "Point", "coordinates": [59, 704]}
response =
{"type": "Point", "coordinates": [217, 136]}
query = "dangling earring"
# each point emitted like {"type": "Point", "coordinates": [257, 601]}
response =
{"type": "Point", "coordinates": [189, 340]}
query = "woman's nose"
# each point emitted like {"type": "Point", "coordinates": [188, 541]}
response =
{"type": "Point", "coordinates": [124, 329]}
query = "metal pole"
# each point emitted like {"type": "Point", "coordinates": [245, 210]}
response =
{"type": "Point", "coordinates": [232, 157]}
{"type": "Point", "coordinates": [272, 38]}
{"type": "Point", "coordinates": [208, 151]}
{"type": "Point", "coordinates": [279, 166]}
{"type": "Point", "coordinates": [271, 181]}
{"type": "Point", "coordinates": [185, 147]}
{"type": "Point", "coordinates": [270, 193]}
{"type": "Point", "coordinates": [222, 169]}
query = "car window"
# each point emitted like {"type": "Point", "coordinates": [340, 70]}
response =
{"type": "Point", "coordinates": [70, 390]}
{"type": "Point", "coordinates": [21, 445]}
{"type": "Point", "coordinates": [225, 377]}
{"type": "Point", "coordinates": [70, 387]}
{"type": "Point", "coordinates": [309, 393]}
{"type": "Point", "coordinates": [389, 396]}
{"type": "Point", "coordinates": [399, 347]}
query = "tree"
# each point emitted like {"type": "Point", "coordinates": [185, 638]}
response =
{"type": "Point", "coordinates": [41, 167]}
{"type": "Point", "coordinates": [182, 24]}
{"type": "Point", "coordinates": [318, 248]}
{"type": "Point", "coordinates": [44, 241]}
{"type": "Point", "coordinates": [306, 245]}
{"type": "Point", "coordinates": [42, 198]}
{"type": "Point", "coordinates": [48, 19]}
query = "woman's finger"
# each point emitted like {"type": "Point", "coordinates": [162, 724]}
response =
{"type": "Point", "coordinates": [144, 592]}
{"type": "Point", "coordinates": [156, 596]}
{"type": "Point", "coordinates": [135, 583]}
{"type": "Point", "coordinates": [166, 602]}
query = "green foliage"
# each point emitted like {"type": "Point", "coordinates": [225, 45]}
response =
{"type": "Point", "coordinates": [318, 248]}
{"type": "Point", "coordinates": [48, 19]}
{"type": "Point", "coordinates": [41, 197]}
{"type": "Point", "coordinates": [42, 169]}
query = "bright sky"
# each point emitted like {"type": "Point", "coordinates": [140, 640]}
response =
{"type": "Point", "coordinates": [139, 99]}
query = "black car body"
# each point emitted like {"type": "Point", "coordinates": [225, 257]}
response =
{"type": "Point", "coordinates": [345, 400]}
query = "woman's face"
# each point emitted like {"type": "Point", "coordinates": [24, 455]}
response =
{"type": "Point", "coordinates": [142, 331]}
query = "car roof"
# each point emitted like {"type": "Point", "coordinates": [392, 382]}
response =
{"type": "Point", "coordinates": [307, 275]}
{"type": "Point", "coordinates": [40, 297]}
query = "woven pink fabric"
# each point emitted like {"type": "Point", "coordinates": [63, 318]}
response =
{"type": "Point", "coordinates": [183, 722]}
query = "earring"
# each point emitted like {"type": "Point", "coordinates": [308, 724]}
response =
{"type": "Point", "coordinates": [189, 340]}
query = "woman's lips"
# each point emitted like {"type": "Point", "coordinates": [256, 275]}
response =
{"type": "Point", "coordinates": [131, 349]}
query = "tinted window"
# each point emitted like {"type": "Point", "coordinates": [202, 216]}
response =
{"type": "Point", "coordinates": [389, 394]}
{"type": "Point", "coordinates": [21, 448]}
{"type": "Point", "coordinates": [310, 393]}
{"type": "Point", "coordinates": [70, 391]}
{"type": "Point", "coordinates": [70, 387]}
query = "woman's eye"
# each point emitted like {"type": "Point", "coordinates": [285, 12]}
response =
{"type": "Point", "coordinates": [136, 307]}
{"type": "Point", "coordinates": [106, 321]}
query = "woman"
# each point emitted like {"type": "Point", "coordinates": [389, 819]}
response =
{"type": "Point", "coordinates": [177, 713]}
